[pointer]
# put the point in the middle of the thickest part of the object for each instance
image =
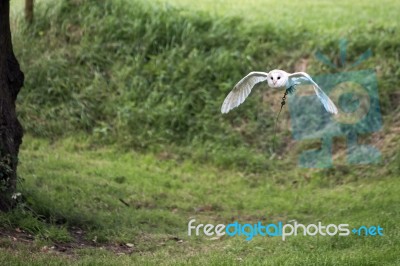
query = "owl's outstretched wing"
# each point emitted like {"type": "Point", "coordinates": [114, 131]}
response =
{"type": "Point", "coordinates": [304, 78]}
{"type": "Point", "coordinates": [241, 90]}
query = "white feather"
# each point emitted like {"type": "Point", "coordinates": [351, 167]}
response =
{"type": "Point", "coordinates": [325, 100]}
{"type": "Point", "coordinates": [241, 90]}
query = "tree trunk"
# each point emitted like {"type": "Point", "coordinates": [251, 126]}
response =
{"type": "Point", "coordinates": [29, 10]}
{"type": "Point", "coordinates": [11, 81]}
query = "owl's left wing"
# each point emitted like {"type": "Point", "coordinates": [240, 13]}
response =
{"type": "Point", "coordinates": [304, 78]}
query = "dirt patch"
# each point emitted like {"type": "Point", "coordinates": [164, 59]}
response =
{"type": "Point", "coordinates": [13, 238]}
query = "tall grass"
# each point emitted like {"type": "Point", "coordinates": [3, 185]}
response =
{"type": "Point", "coordinates": [149, 76]}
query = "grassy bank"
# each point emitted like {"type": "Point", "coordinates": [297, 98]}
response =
{"type": "Point", "coordinates": [154, 76]}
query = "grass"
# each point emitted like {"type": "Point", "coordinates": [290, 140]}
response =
{"type": "Point", "coordinates": [114, 66]}
{"type": "Point", "coordinates": [125, 144]}
{"type": "Point", "coordinates": [71, 184]}
{"type": "Point", "coordinates": [321, 17]}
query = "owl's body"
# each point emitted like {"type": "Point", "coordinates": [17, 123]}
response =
{"type": "Point", "coordinates": [276, 79]}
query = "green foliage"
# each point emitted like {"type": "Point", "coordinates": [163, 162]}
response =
{"type": "Point", "coordinates": [150, 75]}
{"type": "Point", "coordinates": [132, 74]}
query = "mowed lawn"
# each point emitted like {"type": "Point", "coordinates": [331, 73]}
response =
{"type": "Point", "coordinates": [80, 185]}
{"type": "Point", "coordinates": [93, 205]}
{"type": "Point", "coordinates": [320, 16]}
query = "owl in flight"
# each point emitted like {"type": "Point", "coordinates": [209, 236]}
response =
{"type": "Point", "coordinates": [276, 79]}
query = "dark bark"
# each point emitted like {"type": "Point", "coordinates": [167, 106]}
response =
{"type": "Point", "coordinates": [11, 81]}
{"type": "Point", "coordinates": [29, 10]}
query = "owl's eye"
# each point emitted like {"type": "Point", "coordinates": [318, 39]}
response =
{"type": "Point", "coordinates": [279, 77]}
{"type": "Point", "coordinates": [272, 78]}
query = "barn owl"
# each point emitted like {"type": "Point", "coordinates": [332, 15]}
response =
{"type": "Point", "coordinates": [276, 79]}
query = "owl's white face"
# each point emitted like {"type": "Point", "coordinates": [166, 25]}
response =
{"type": "Point", "coordinates": [277, 78]}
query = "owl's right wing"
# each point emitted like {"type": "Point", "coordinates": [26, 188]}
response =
{"type": "Point", "coordinates": [241, 90]}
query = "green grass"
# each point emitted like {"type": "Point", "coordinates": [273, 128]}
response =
{"type": "Point", "coordinates": [121, 102]}
{"type": "Point", "coordinates": [153, 77]}
{"type": "Point", "coordinates": [321, 17]}
{"type": "Point", "coordinates": [71, 184]}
